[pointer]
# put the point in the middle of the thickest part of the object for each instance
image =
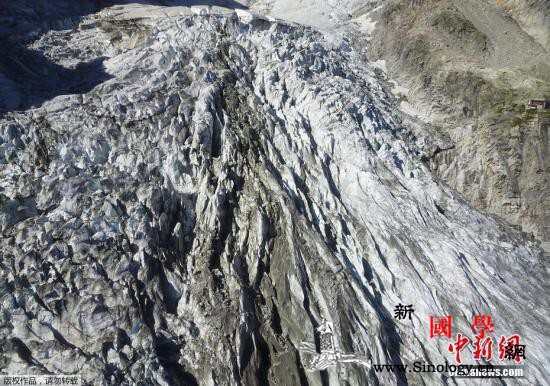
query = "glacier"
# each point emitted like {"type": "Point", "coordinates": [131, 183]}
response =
{"type": "Point", "coordinates": [230, 182]}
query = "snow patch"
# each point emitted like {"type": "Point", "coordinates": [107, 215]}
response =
{"type": "Point", "coordinates": [397, 89]}
{"type": "Point", "coordinates": [366, 25]}
{"type": "Point", "coordinates": [244, 16]}
{"type": "Point", "coordinates": [380, 64]}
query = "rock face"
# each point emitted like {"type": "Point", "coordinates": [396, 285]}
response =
{"type": "Point", "coordinates": [194, 216]}
{"type": "Point", "coordinates": [532, 15]}
{"type": "Point", "coordinates": [469, 69]}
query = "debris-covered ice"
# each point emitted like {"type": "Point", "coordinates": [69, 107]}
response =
{"type": "Point", "coordinates": [191, 218]}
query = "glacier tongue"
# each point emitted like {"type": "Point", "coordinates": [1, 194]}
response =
{"type": "Point", "coordinates": [193, 218]}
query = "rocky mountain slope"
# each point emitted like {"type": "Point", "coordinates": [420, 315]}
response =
{"type": "Point", "coordinates": [468, 69]}
{"type": "Point", "coordinates": [532, 15]}
{"type": "Point", "coordinates": [217, 187]}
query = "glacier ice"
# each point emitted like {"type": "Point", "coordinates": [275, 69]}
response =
{"type": "Point", "coordinates": [193, 217]}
